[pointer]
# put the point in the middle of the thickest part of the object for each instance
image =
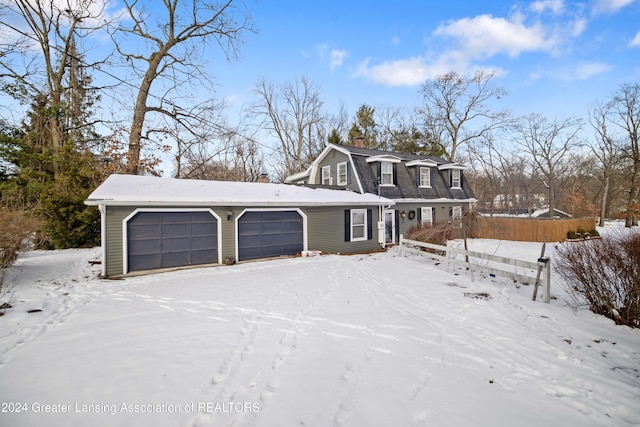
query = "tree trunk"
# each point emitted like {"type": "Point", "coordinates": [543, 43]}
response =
{"type": "Point", "coordinates": [139, 113]}
{"type": "Point", "coordinates": [603, 201]}
{"type": "Point", "coordinates": [631, 219]}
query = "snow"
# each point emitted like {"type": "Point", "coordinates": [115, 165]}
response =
{"type": "Point", "coordinates": [385, 339]}
{"type": "Point", "coordinates": [151, 190]}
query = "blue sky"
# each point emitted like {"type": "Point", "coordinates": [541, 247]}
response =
{"type": "Point", "coordinates": [554, 57]}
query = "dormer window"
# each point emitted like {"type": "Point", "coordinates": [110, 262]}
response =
{"type": "Point", "coordinates": [424, 176]}
{"type": "Point", "coordinates": [455, 178]}
{"type": "Point", "coordinates": [385, 165]}
{"type": "Point", "coordinates": [386, 173]}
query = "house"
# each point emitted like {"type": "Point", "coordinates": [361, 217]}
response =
{"type": "Point", "coordinates": [546, 214]}
{"type": "Point", "coordinates": [425, 189]}
{"type": "Point", "coordinates": [151, 223]}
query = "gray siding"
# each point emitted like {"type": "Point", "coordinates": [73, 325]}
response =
{"type": "Point", "coordinates": [326, 226]}
{"type": "Point", "coordinates": [325, 231]}
{"type": "Point", "coordinates": [441, 213]}
{"type": "Point", "coordinates": [332, 159]}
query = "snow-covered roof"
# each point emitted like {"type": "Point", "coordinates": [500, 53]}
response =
{"type": "Point", "coordinates": [150, 190]}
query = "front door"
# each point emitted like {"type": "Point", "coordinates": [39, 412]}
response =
{"type": "Point", "coordinates": [390, 226]}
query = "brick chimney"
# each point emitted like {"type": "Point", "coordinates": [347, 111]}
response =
{"type": "Point", "coordinates": [358, 142]}
{"type": "Point", "coordinates": [263, 178]}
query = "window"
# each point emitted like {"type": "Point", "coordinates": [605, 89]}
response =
{"type": "Point", "coordinates": [326, 175]}
{"type": "Point", "coordinates": [342, 173]}
{"type": "Point", "coordinates": [386, 173]}
{"type": "Point", "coordinates": [455, 178]}
{"type": "Point", "coordinates": [358, 224]}
{"type": "Point", "coordinates": [456, 216]}
{"type": "Point", "coordinates": [424, 177]}
{"type": "Point", "coordinates": [426, 217]}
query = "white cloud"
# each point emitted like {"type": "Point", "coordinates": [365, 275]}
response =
{"type": "Point", "coordinates": [609, 6]}
{"type": "Point", "coordinates": [578, 27]}
{"type": "Point", "coordinates": [590, 69]}
{"type": "Point", "coordinates": [336, 58]}
{"type": "Point", "coordinates": [484, 36]}
{"type": "Point", "coordinates": [395, 40]}
{"type": "Point", "coordinates": [416, 70]}
{"type": "Point", "coordinates": [636, 40]}
{"type": "Point", "coordinates": [541, 6]}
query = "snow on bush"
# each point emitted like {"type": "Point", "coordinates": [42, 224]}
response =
{"type": "Point", "coordinates": [605, 273]}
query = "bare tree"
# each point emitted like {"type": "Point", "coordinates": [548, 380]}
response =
{"type": "Point", "coordinates": [293, 113]}
{"type": "Point", "coordinates": [547, 144]}
{"type": "Point", "coordinates": [605, 148]}
{"type": "Point", "coordinates": [43, 50]}
{"type": "Point", "coordinates": [451, 103]}
{"type": "Point", "coordinates": [165, 47]}
{"type": "Point", "coordinates": [626, 115]}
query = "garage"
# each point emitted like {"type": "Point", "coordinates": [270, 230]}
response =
{"type": "Point", "coordinates": [171, 239]}
{"type": "Point", "coordinates": [269, 233]}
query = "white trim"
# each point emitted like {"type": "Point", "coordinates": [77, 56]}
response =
{"type": "Point", "coordinates": [428, 163]}
{"type": "Point", "coordinates": [346, 173]}
{"type": "Point", "coordinates": [383, 158]}
{"type": "Point", "coordinates": [393, 225]}
{"type": "Point", "coordinates": [459, 179]}
{"type": "Point", "coordinates": [390, 165]}
{"type": "Point", "coordinates": [419, 175]}
{"type": "Point", "coordinates": [324, 169]}
{"type": "Point", "coordinates": [305, 243]}
{"type": "Point", "coordinates": [364, 237]}
{"type": "Point", "coordinates": [452, 166]}
{"type": "Point", "coordinates": [125, 221]}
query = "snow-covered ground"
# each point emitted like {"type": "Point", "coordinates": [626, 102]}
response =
{"type": "Point", "coordinates": [364, 340]}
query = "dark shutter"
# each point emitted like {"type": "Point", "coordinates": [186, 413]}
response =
{"type": "Point", "coordinates": [433, 216]}
{"type": "Point", "coordinates": [419, 215]}
{"type": "Point", "coordinates": [347, 225]}
{"type": "Point", "coordinates": [369, 224]}
{"type": "Point", "coordinates": [418, 176]}
{"type": "Point", "coordinates": [348, 173]}
{"type": "Point", "coordinates": [450, 178]}
{"type": "Point", "coordinates": [395, 174]}
{"type": "Point", "coordinates": [450, 212]}
{"type": "Point", "coordinates": [379, 172]}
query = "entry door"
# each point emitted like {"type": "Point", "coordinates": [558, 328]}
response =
{"type": "Point", "coordinates": [390, 226]}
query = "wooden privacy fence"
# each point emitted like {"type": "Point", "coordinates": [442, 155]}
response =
{"type": "Point", "coordinates": [515, 269]}
{"type": "Point", "coordinates": [528, 229]}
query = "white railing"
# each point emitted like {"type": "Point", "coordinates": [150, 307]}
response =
{"type": "Point", "coordinates": [450, 254]}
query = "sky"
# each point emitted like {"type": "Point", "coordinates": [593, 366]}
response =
{"type": "Point", "coordinates": [553, 57]}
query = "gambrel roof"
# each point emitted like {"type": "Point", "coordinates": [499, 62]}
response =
{"type": "Point", "coordinates": [363, 161]}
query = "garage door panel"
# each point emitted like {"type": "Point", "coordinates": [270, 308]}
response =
{"type": "Point", "coordinates": [176, 230]}
{"type": "Point", "coordinates": [171, 239]}
{"type": "Point", "coordinates": [203, 229]}
{"type": "Point", "coordinates": [264, 234]}
{"type": "Point", "coordinates": [145, 246]}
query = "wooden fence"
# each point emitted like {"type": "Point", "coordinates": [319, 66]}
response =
{"type": "Point", "coordinates": [515, 269]}
{"type": "Point", "coordinates": [528, 229]}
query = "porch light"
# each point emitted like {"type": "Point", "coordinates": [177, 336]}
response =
{"type": "Point", "coordinates": [229, 215]}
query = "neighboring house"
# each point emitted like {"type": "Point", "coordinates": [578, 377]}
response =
{"type": "Point", "coordinates": [545, 214]}
{"type": "Point", "coordinates": [151, 223]}
{"type": "Point", "coordinates": [426, 189]}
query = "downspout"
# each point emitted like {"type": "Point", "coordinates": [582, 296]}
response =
{"type": "Point", "coordinates": [103, 237]}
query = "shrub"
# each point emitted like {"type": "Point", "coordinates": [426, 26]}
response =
{"type": "Point", "coordinates": [17, 230]}
{"type": "Point", "coordinates": [582, 234]}
{"type": "Point", "coordinates": [606, 274]}
{"type": "Point", "coordinates": [436, 234]}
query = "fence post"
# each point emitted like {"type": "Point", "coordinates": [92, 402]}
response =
{"type": "Point", "coordinates": [446, 254]}
{"type": "Point", "coordinates": [547, 281]}
{"type": "Point", "coordinates": [401, 249]}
